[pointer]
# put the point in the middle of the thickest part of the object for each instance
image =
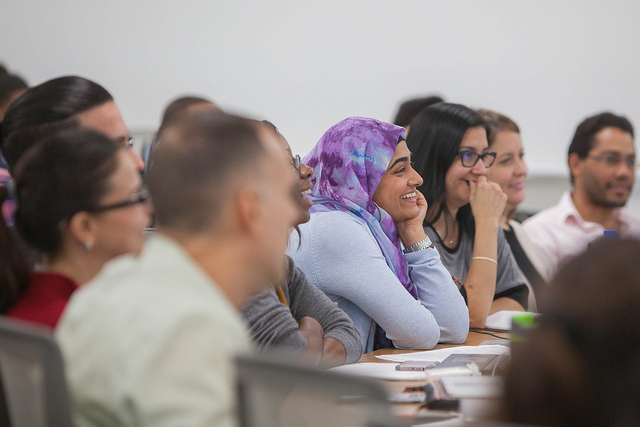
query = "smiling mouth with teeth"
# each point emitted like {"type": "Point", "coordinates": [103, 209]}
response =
{"type": "Point", "coordinates": [307, 191]}
{"type": "Point", "coordinates": [408, 195]}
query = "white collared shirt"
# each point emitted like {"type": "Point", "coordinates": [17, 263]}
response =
{"type": "Point", "coordinates": [560, 233]}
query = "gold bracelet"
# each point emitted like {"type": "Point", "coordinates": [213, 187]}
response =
{"type": "Point", "coordinates": [484, 258]}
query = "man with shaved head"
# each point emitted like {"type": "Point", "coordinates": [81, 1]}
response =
{"type": "Point", "coordinates": [152, 340]}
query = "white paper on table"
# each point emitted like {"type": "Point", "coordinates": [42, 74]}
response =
{"type": "Point", "coordinates": [441, 354]}
{"type": "Point", "coordinates": [485, 387]}
{"type": "Point", "coordinates": [501, 320]}
{"type": "Point", "coordinates": [381, 371]}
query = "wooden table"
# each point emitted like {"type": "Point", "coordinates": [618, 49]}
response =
{"type": "Point", "coordinates": [474, 338]}
{"type": "Point", "coordinates": [410, 411]}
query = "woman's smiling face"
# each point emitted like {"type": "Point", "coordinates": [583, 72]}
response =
{"type": "Point", "coordinates": [305, 173]}
{"type": "Point", "coordinates": [509, 170]}
{"type": "Point", "coordinates": [458, 176]}
{"type": "Point", "coordinates": [396, 192]}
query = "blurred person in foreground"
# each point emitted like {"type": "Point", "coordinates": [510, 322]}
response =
{"type": "Point", "coordinates": [581, 365]}
{"type": "Point", "coordinates": [151, 341]}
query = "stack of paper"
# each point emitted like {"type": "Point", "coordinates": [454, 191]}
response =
{"type": "Point", "coordinates": [441, 354]}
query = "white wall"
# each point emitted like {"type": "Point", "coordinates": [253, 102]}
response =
{"type": "Point", "coordinates": [306, 65]}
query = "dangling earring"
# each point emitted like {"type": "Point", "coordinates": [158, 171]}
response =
{"type": "Point", "coordinates": [88, 245]}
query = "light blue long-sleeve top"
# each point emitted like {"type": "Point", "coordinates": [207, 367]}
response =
{"type": "Point", "coordinates": [340, 256]}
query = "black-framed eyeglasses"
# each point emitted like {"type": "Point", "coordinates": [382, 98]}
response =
{"type": "Point", "coordinates": [141, 196]}
{"type": "Point", "coordinates": [470, 158]}
{"type": "Point", "coordinates": [296, 162]}
{"type": "Point", "coordinates": [613, 160]}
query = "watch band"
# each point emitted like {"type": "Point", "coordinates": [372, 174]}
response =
{"type": "Point", "coordinates": [421, 245]}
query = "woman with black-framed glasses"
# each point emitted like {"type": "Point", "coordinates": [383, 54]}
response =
{"type": "Point", "coordinates": [451, 153]}
{"type": "Point", "coordinates": [81, 202]}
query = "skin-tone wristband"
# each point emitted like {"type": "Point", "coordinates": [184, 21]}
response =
{"type": "Point", "coordinates": [484, 258]}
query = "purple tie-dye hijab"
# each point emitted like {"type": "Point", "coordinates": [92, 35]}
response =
{"type": "Point", "coordinates": [348, 163]}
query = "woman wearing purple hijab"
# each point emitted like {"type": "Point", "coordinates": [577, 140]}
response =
{"type": "Point", "coordinates": [365, 246]}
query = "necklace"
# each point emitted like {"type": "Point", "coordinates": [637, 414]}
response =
{"type": "Point", "coordinates": [443, 235]}
{"type": "Point", "coordinates": [453, 237]}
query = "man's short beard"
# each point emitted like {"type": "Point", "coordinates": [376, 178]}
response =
{"type": "Point", "coordinates": [598, 200]}
{"type": "Point", "coordinates": [611, 204]}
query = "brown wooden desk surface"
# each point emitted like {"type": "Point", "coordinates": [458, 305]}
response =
{"type": "Point", "coordinates": [409, 411]}
{"type": "Point", "coordinates": [474, 338]}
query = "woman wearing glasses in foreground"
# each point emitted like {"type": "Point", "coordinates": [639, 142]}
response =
{"type": "Point", "coordinates": [364, 245]}
{"type": "Point", "coordinates": [451, 153]}
{"type": "Point", "coordinates": [80, 201]}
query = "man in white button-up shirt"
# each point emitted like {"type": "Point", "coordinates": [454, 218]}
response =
{"type": "Point", "coordinates": [151, 340]}
{"type": "Point", "coordinates": [602, 161]}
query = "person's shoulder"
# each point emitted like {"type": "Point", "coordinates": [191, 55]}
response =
{"type": "Point", "coordinates": [546, 217]}
{"type": "Point", "coordinates": [631, 223]}
{"type": "Point", "coordinates": [134, 287]}
{"type": "Point", "coordinates": [115, 275]}
{"type": "Point", "coordinates": [502, 238]}
{"type": "Point", "coordinates": [145, 306]}
{"type": "Point", "coordinates": [431, 232]}
{"type": "Point", "coordinates": [629, 216]}
{"type": "Point", "coordinates": [433, 235]}
{"type": "Point", "coordinates": [332, 224]}
{"type": "Point", "coordinates": [334, 218]}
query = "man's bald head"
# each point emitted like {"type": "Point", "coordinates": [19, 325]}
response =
{"type": "Point", "coordinates": [201, 160]}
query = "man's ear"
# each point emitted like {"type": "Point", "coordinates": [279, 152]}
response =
{"type": "Point", "coordinates": [248, 207]}
{"type": "Point", "coordinates": [575, 164]}
{"type": "Point", "coordinates": [83, 227]}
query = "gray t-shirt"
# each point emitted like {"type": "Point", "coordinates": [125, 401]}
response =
{"type": "Point", "coordinates": [509, 281]}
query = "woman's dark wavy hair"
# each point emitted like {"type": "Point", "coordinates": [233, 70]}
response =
{"type": "Point", "coordinates": [64, 174]}
{"type": "Point", "coordinates": [434, 141]}
{"type": "Point", "coordinates": [46, 108]}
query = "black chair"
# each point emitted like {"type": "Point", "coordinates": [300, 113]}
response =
{"type": "Point", "coordinates": [33, 388]}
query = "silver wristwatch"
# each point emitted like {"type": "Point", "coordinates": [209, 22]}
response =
{"type": "Point", "coordinates": [422, 244]}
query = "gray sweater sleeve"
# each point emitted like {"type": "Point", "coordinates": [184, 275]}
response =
{"type": "Point", "coordinates": [272, 327]}
{"type": "Point", "coordinates": [307, 300]}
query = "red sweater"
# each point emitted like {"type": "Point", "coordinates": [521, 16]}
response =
{"type": "Point", "coordinates": [44, 300]}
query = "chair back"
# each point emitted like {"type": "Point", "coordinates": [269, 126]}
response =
{"type": "Point", "coordinates": [33, 389]}
{"type": "Point", "coordinates": [272, 394]}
